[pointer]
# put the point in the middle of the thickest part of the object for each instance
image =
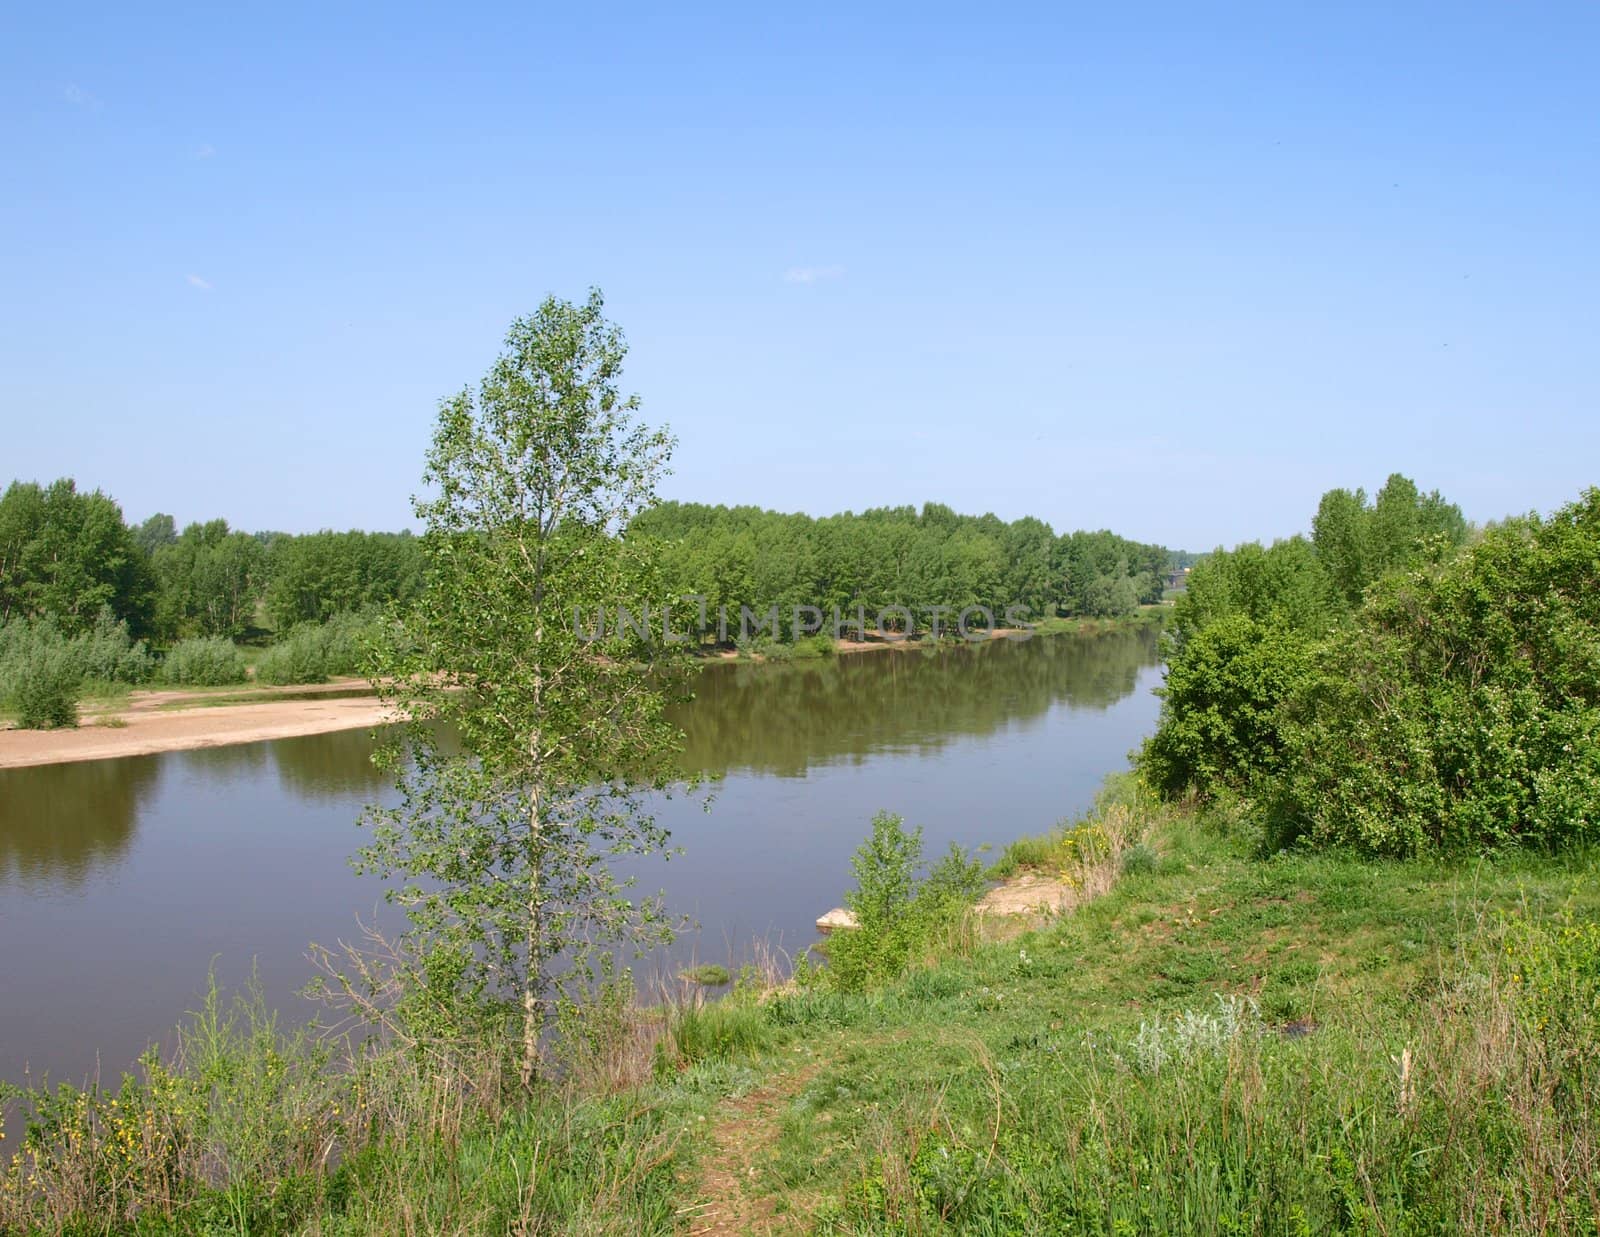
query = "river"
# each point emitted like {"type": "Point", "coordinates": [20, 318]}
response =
{"type": "Point", "coordinates": [123, 881]}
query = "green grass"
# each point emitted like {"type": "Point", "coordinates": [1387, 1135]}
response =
{"type": "Point", "coordinates": [1001, 1091]}
{"type": "Point", "coordinates": [1143, 616]}
{"type": "Point", "coordinates": [707, 975]}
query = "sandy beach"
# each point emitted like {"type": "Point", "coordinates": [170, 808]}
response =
{"type": "Point", "coordinates": [179, 721]}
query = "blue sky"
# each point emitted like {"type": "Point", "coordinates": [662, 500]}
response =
{"type": "Point", "coordinates": [1173, 270]}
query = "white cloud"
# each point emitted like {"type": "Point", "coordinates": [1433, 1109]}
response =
{"type": "Point", "coordinates": [205, 151]}
{"type": "Point", "coordinates": [812, 274]}
{"type": "Point", "coordinates": [196, 282]}
{"type": "Point", "coordinates": [78, 96]}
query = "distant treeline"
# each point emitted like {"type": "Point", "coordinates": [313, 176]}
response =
{"type": "Point", "coordinates": [900, 556]}
{"type": "Point", "coordinates": [69, 555]}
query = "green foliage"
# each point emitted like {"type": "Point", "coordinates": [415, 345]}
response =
{"type": "Point", "coordinates": [1222, 706]}
{"type": "Point", "coordinates": [895, 912]}
{"type": "Point", "coordinates": [1114, 593]}
{"type": "Point", "coordinates": [203, 661]}
{"type": "Point", "coordinates": [1454, 708]}
{"type": "Point", "coordinates": [737, 556]}
{"type": "Point", "coordinates": [1284, 585]}
{"type": "Point", "coordinates": [718, 1030]}
{"type": "Point", "coordinates": [43, 687]}
{"type": "Point", "coordinates": [707, 975]}
{"type": "Point", "coordinates": [1463, 709]}
{"type": "Point", "coordinates": [107, 653]}
{"type": "Point", "coordinates": [300, 657]}
{"type": "Point", "coordinates": [1358, 543]}
{"type": "Point", "coordinates": [44, 672]}
{"type": "Point", "coordinates": [312, 652]}
{"type": "Point", "coordinates": [314, 577]}
{"type": "Point", "coordinates": [210, 578]}
{"type": "Point", "coordinates": [68, 554]}
{"type": "Point", "coordinates": [500, 845]}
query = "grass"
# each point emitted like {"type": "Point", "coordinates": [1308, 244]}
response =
{"type": "Point", "coordinates": [707, 975]}
{"type": "Point", "coordinates": [1364, 1060]}
{"type": "Point", "coordinates": [1209, 1042]}
{"type": "Point", "coordinates": [1143, 616]}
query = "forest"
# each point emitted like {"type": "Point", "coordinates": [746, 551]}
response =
{"type": "Point", "coordinates": [89, 600]}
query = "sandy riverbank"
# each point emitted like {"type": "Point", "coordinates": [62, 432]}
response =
{"type": "Point", "coordinates": [145, 729]}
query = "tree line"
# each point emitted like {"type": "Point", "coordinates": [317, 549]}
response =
{"type": "Point", "coordinates": [69, 555]}
{"type": "Point", "coordinates": [1398, 682]}
{"type": "Point", "coordinates": [898, 556]}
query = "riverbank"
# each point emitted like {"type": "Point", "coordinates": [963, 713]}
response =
{"type": "Point", "coordinates": [1203, 1041]}
{"type": "Point", "coordinates": [180, 719]}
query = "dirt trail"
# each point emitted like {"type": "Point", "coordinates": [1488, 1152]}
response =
{"type": "Point", "coordinates": [746, 1129]}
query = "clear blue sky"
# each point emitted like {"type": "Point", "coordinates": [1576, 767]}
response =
{"type": "Point", "coordinates": [1172, 270]}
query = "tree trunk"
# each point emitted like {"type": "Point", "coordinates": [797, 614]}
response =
{"type": "Point", "coordinates": [532, 1002]}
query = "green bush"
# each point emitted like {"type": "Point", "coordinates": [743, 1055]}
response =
{"type": "Point", "coordinates": [896, 913]}
{"type": "Point", "coordinates": [44, 690]}
{"type": "Point", "coordinates": [43, 671]}
{"type": "Point", "coordinates": [311, 653]}
{"type": "Point", "coordinates": [1220, 715]}
{"type": "Point", "coordinates": [300, 658]}
{"type": "Point", "coordinates": [1463, 712]}
{"type": "Point", "coordinates": [204, 661]}
{"type": "Point", "coordinates": [107, 653]}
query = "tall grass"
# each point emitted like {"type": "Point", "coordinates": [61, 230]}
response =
{"type": "Point", "coordinates": [1478, 1113]}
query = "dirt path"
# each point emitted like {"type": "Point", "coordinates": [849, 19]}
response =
{"type": "Point", "coordinates": [148, 727]}
{"type": "Point", "coordinates": [746, 1129]}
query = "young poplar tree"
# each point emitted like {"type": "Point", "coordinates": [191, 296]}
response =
{"type": "Point", "coordinates": [531, 748]}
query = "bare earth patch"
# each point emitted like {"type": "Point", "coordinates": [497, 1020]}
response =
{"type": "Point", "coordinates": [1030, 893]}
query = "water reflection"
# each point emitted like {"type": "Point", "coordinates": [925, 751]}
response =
{"type": "Point", "coordinates": [127, 879]}
{"type": "Point", "coordinates": [786, 718]}
{"type": "Point", "coordinates": [329, 766]}
{"type": "Point", "coordinates": [59, 822]}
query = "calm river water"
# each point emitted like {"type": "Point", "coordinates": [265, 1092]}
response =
{"type": "Point", "coordinates": [122, 881]}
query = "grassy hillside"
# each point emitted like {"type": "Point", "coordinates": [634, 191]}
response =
{"type": "Point", "coordinates": [1218, 1044]}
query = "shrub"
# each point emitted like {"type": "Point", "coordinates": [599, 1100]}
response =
{"type": "Point", "coordinates": [895, 913]}
{"type": "Point", "coordinates": [312, 652]}
{"type": "Point", "coordinates": [203, 661]}
{"type": "Point", "coordinates": [299, 658]}
{"type": "Point", "coordinates": [44, 690]}
{"type": "Point", "coordinates": [1220, 711]}
{"type": "Point", "coordinates": [43, 671]}
{"type": "Point", "coordinates": [107, 653]}
{"type": "Point", "coordinates": [1463, 712]}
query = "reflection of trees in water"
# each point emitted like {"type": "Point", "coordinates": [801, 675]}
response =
{"type": "Point", "coordinates": [57, 822]}
{"type": "Point", "coordinates": [329, 766]}
{"type": "Point", "coordinates": [224, 764]}
{"type": "Point", "coordinates": [783, 718]}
